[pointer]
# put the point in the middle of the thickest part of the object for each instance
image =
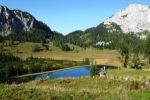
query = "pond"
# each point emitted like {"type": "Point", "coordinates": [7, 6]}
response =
{"type": "Point", "coordinates": [76, 72]}
{"type": "Point", "coordinates": [67, 73]}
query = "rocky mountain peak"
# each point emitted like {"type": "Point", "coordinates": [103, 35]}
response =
{"type": "Point", "coordinates": [18, 20]}
{"type": "Point", "coordinates": [137, 6]}
{"type": "Point", "coordinates": [4, 8]}
{"type": "Point", "coordinates": [135, 18]}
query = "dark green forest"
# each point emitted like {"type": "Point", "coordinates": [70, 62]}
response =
{"type": "Point", "coordinates": [85, 39]}
{"type": "Point", "coordinates": [11, 65]}
{"type": "Point", "coordinates": [101, 33]}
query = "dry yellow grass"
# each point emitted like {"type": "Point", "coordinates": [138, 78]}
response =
{"type": "Point", "coordinates": [105, 57]}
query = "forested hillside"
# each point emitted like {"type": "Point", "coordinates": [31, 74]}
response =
{"type": "Point", "coordinates": [103, 37]}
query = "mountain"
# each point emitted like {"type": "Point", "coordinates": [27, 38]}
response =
{"type": "Point", "coordinates": [133, 23]}
{"type": "Point", "coordinates": [19, 21]}
{"type": "Point", "coordinates": [22, 26]}
{"type": "Point", "coordinates": [135, 18]}
{"type": "Point", "coordinates": [101, 36]}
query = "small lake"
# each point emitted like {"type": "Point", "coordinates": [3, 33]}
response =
{"type": "Point", "coordinates": [67, 73]}
{"type": "Point", "coordinates": [76, 72]}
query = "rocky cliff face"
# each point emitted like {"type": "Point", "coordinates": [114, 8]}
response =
{"type": "Point", "coordinates": [19, 21]}
{"type": "Point", "coordinates": [135, 18]}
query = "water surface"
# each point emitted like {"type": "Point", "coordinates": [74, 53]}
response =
{"type": "Point", "coordinates": [75, 72]}
{"type": "Point", "coordinates": [67, 73]}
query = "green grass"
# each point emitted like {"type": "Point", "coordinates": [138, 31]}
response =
{"type": "Point", "coordinates": [76, 89]}
{"type": "Point", "coordinates": [86, 88]}
{"type": "Point", "coordinates": [115, 87]}
{"type": "Point", "coordinates": [104, 57]}
{"type": "Point", "coordinates": [130, 73]}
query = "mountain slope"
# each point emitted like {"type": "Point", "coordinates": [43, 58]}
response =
{"type": "Point", "coordinates": [22, 26]}
{"type": "Point", "coordinates": [135, 18]}
{"type": "Point", "coordinates": [16, 20]}
{"type": "Point", "coordinates": [94, 35]}
{"type": "Point", "coordinates": [109, 32]}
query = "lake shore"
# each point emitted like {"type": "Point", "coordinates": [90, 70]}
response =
{"type": "Point", "coordinates": [26, 75]}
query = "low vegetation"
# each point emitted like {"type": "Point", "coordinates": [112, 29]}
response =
{"type": "Point", "coordinates": [21, 57]}
{"type": "Point", "coordinates": [11, 65]}
{"type": "Point", "coordinates": [130, 74]}
{"type": "Point", "coordinates": [40, 50]}
{"type": "Point", "coordinates": [79, 89]}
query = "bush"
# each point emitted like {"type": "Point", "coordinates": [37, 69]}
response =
{"type": "Point", "coordinates": [93, 70]}
{"type": "Point", "coordinates": [136, 62]}
{"type": "Point", "coordinates": [36, 48]}
{"type": "Point", "coordinates": [66, 48]}
{"type": "Point", "coordinates": [87, 61]}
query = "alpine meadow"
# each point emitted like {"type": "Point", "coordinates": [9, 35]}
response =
{"type": "Point", "coordinates": [108, 61]}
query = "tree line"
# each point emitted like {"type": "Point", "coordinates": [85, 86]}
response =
{"type": "Point", "coordinates": [11, 65]}
{"type": "Point", "coordinates": [130, 51]}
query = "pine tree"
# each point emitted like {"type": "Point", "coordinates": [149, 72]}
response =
{"type": "Point", "coordinates": [123, 47]}
{"type": "Point", "coordinates": [147, 48]}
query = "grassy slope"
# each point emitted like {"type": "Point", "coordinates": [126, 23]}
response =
{"type": "Point", "coordinates": [106, 57]}
{"type": "Point", "coordinates": [81, 89]}
{"type": "Point", "coordinates": [113, 88]}
{"type": "Point", "coordinates": [130, 73]}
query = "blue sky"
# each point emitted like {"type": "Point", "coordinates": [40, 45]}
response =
{"type": "Point", "coordinates": [69, 15]}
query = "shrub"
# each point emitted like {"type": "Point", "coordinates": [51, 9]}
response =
{"type": "Point", "coordinates": [93, 70]}
{"type": "Point", "coordinates": [36, 48]}
{"type": "Point", "coordinates": [87, 61]}
{"type": "Point", "coordinates": [136, 62]}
